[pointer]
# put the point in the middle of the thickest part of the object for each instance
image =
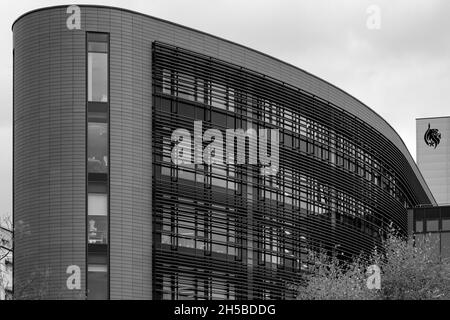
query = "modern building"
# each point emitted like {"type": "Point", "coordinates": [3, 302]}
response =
{"type": "Point", "coordinates": [5, 264]}
{"type": "Point", "coordinates": [433, 155]}
{"type": "Point", "coordinates": [95, 187]}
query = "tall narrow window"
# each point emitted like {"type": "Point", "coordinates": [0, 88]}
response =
{"type": "Point", "coordinates": [97, 72]}
{"type": "Point", "coordinates": [97, 164]}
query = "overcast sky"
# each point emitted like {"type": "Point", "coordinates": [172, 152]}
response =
{"type": "Point", "coordinates": [401, 70]}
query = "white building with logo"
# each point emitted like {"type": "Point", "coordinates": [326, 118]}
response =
{"type": "Point", "coordinates": [433, 155]}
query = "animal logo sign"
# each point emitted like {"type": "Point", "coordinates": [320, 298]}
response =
{"type": "Point", "coordinates": [432, 137]}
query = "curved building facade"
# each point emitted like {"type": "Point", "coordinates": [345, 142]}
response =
{"type": "Point", "coordinates": [105, 212]}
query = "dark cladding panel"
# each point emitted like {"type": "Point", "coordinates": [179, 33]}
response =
{"type": "Point", "coordinates": [49, 140]}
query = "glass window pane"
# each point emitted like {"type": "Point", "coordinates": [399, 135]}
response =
{"type": "Point", "coordinates": [219, 119]}
{"type": "Point", "coordinates": [218, 240]}
{"type": "Point", "coordinates": [419, 226]}
{"type": "Point", "coordinates": [97, 37]}
{"type": "Point", "coordinates": [186, 237]}
{"type": "Point", "coordinates": [186, 171]}
{"type": "Point", "coordinates": [97, 204]}
{"type": "Point", "coordinates": [231, 99]}
{"type": "Point", "coordinates": [200, 90]}
{"type": "Point", "coordinates": [98, 282]}
{"type": "Point", "coordinates": [97, 77]}
{"type": "Point", "coordinates": [167, 81]}
{"type": "Point", "coordinates": [98, 46]}
{"type": "Point", "coordinates": [97, 229]}
{"type": "Point", "coordinates": [186, 110]}
{"type": "Point", "coordinates": [186, 87]}
{"type": "Point", "coordinates": [97, 147]}
{"type": "Point", "coordinates": [432, 225]}
{"type": "Point", "coordinates": [446, 224]}
{"type": "Point", "coordinates": [219, 182]}
{"type": "Point", "coordinates": [218, 95]}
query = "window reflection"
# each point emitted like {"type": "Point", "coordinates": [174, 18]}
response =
{"type": "Point", "coordinates": [97, 147]}
{"type": "Point", "coordinates": [97, 223]}
{"type": "Point", "coordinates": [97, 77]}
{"type": "Point", "coordinates": [97, 230]}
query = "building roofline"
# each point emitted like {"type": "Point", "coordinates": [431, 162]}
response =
{"type": "Point", "coordinates": [438, 117]}
{"type": "Point", "coordinates": [214, 36]}
{"type": "Point", "coordinates": [244, 47]}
